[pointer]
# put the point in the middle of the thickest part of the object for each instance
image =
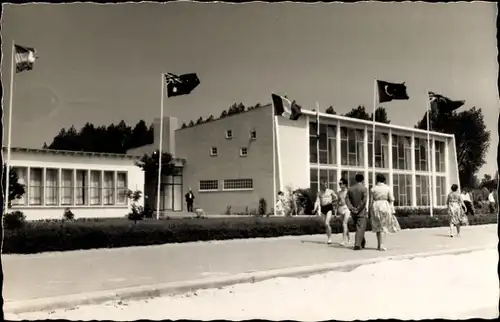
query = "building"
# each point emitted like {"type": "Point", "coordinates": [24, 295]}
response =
{"type": "Point", "coordinates": [229, 161]}
{"type": "Point", "coordinates": [92, 185]}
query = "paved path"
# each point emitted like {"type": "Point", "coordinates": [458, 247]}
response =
{"type": "Point", "coordinates": [65, 273]}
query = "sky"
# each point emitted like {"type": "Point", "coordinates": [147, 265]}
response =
{"type": "Point", "coordinates": [103, 63]}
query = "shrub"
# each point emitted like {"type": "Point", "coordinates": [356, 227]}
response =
{"type": "Point", "coordinates": [305, 200]}
{"type": "Point", "coordinates": [228, 211]}
{"type": "Point", "coordinates": [43, 236]}
{"type": "Point", "coordinates": [137, 212]}
{"type": "Point", "coordinates": [262, 207]}
{"type": "Point", "coordinates": [14, 220]}
{"type": "Point", "coordinates": [68, 214]}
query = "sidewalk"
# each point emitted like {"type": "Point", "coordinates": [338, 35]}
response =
{"type": "Point", "coordinates": [56, 274]}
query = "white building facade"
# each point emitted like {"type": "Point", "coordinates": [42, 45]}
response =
{"type": "Point", "coordinates": [91, 185]}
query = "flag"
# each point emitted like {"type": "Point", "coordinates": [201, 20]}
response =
{"type": "Point", "coordinates": [285, 108]}
{"type": "Point", "coordinates": [391, 91]}
{"type": "Point", "coordinates": [181, 85]}
{"type": "Point", "coordinates": [444, 104]}
{"type": "Point", "coordinates": [25, 58]}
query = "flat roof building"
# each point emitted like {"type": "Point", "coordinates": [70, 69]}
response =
{"type": "Point", "coordinates": [92, 185]}
{"type": "Point", "coordinates": [229, 161]}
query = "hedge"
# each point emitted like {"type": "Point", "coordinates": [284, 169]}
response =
{"type": "Point", "coordinates": [60, 235]}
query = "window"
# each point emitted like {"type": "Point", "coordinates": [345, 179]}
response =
{"type": "Point", "coordinates": [21, 179]}
{"type": "Point", "coordinates": [95, 187]}
{"type": "Point", "coordinates": [440, 161]}
{"type": "Point", "coordinates": [81, 187]}
{"type": "Point", "coordinates": [67, 187]}
{"type": "Point", "coordinates": [122, 188]}
{"type": "Point", "coordinates": [441, 191]}
{"type": "Point", "coordinates": [253, 135]}
{"type": "Point", "coordinates": [402, 189]}
{"type": "Point", "coordinates": [327, 144]}
{"type": "Point", "coordinates": [421, 163]}
{"type": "Point", "coordinates": [350, 176]}
{"type": "Point", "coordinates": [108, 190]}
{"type": "Point", "coordinates": [51, 186]}
{"type": "Point", "coordinates": [229, 134]}
{"type": "Point", "coordinates": [381, 150]}
{"type": "Point", "coordinates": [352, 151]}
{"type": "Point", "coordinates": [329, 176]}
{"type": "Point", "coordinates": [422, 188]}
{"type": "Point", "coordinates": [209, 185]}
{"type": "Point", "coordinates": [370, 181]}
{"type": "Point", "coordinates": [213, 151]}
{"type": "Point", "coordinates": [243, 152]}
{"type": "Point", "coordinates": [238, 184]}
{"type": "Point", "coordinates": [35, 187]}
{"type": "Point", "coordinates": [401, 152]}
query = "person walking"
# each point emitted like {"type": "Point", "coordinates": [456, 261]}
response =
{"type": "Point", "coordinates": [343, 212]}
{"type": "Point", "coordinates": [280, 204]}
{"type": "Point", "coordinates": [382, 211]}
{"type": "Point", "coordinates": [324, 206]}
{"type": "Point", "coordinates": [189, 200]}
{"type": "Point", "coordinates": [356, 201]}
{"type": "Point", "coordinates": [456, 210]}
{"type": "Point", "coordinates": [466, 197]}
{"type": "Point", "coordinates": [491, 201]}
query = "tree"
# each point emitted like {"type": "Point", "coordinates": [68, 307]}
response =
{"type": "Point", "coordinates": [488, 182]}
{"type": "Point", "coordinates": [191, 123]}
{"type": "Point", "coordinates": [210, 118]}
{"type": "Point", "coordinates": [380, 115]}
{"type": "Point", "coordinates": [330, 110]}
{"type": "Point", "coordinates": [184, 125]}
{"type": "Point", "coordinates": [359, 113]}
{"type": "Point", "coordinates": [45, 146]}
{"type": "Point", "coordinates": [200, 120]}
{"type": "Point", "coordinates": [472, 139]}
{"type": "Point", "coordinates": [223, 114]}
{"type": "Point", "coordinates": [16, 190]}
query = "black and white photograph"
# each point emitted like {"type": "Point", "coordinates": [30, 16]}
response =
{"type": "Point", "coordinates": [236, 161]}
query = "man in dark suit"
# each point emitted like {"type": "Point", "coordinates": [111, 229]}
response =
{"type": "Point", "coordinates": [189, 200]}
{"type": "Point", "coordinates": [356, 201]}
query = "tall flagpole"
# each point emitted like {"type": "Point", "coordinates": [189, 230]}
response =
{"type": "Point", "coordinates": [375, 103]}
{"type": "Point", "coordinates": [9, 133]}
{"type": "Point", "coordinates": [161, 146]}
{"type": "Point", "coordinates": [274, 158]}
{"type": "Point", "coordinates": [431, 201]}
{"type": "Point", "coordinates": [317, 143]}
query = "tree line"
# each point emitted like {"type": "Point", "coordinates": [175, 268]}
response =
{"type": "Point", "coordinates": [238, 108]}
{"type": "Point", "coordinates": [105, 139]}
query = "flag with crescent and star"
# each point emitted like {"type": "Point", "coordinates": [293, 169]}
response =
{"type": "Point", "coordinates": [181, 85]}
{"type": "Point", "coordinates": [24, 57]}
{"type": "Point", "coordinates": [443, 103]}
{"type": "Point", "coordinates": [391, 91]}
{"type": "Point", "coordinates": [283, 107]}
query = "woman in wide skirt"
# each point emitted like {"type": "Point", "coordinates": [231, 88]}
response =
{"type": "Point", "coordinates": [382, 211]}
{"type": "Point", "coordinates": [456, 210]}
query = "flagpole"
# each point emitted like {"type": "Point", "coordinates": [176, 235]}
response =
{"type": "Point", "coordinates": [274, 159]}
{"type": "Point", "coordinates": [161, 146]}
{"type": "Point", "coordinates": [375, 103]}
{"type": "Point", "coordinates": [9, 132]}
{"type": "Point", "coordinates": [431, 203]}
{"type": "Point", "coordinates": [317, 144]}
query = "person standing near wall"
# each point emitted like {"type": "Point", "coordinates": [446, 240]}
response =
{"type": "Point", "coordinates": [190, 200]}
{"type": "Point", "coordinates": [466, 197]}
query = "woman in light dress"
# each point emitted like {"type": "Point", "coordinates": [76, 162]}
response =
{"type": "Point", "coordinates": [343, 212]}
{"type": "Point", "coordinates": [456, 210]}
{"type": "Point", "coordinates": [382, 211]}
{"type": "Point", "coordinates": [280, 204]}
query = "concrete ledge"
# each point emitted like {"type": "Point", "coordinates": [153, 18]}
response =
{"type": "Point", "coordinates": [156, 290]}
